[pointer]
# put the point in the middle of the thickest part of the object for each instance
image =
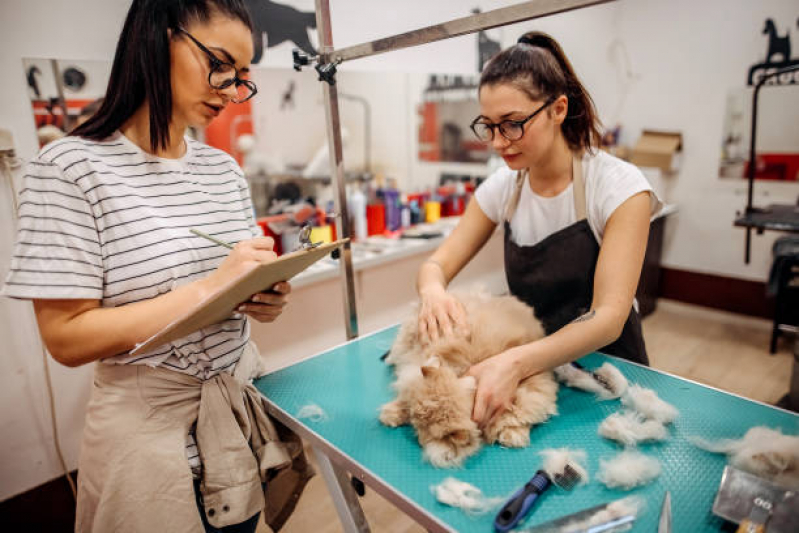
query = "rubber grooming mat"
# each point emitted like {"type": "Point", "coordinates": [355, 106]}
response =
{"type": "Point", "coordinates": [350, 383]}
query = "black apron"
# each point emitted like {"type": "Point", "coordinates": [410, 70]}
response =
{"type": "Point", "coordinates": [556, 276]}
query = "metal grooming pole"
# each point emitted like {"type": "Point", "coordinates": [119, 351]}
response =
{"type": "Point", "coordinates": [347, 505]}
{"type": "Point", "coordinates": [752, 157]}
{"type": "Point", "coordinates": [329, 58]}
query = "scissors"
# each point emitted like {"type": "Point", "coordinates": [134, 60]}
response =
{"type": "Point", "coordinates": [664, 524]}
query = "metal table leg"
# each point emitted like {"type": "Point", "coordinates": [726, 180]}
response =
{"type": "Point", "coordinates": [344, 497]}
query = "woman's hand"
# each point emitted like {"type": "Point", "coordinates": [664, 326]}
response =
{"type": "Point", "coordinates": [497, 379]}
{"type": "Point", "coordinates": [245, 256]}
{"type": "Point", "coordinates": [441, 315]}
{"type": "Point", "coordinates": [267, 306]}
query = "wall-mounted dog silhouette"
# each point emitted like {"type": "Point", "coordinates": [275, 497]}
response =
{"type": "Point", "coordinates": [486, 47]}
{"type": "Point", "coordinates": [280, 23]}
{"type": "Point", "coordinates": [780, 46]}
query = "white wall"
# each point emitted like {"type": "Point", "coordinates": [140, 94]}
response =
{"type": "Point", "coordinates": [684, 56]}
{"type": "Point", "coordinates": [39, 28]}
{"type": "Point", "coordinates": [684, 69]}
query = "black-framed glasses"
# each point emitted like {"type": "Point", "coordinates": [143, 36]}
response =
{"type": "Point", "coordinates": [224, 74]}
{"type": "Point", "coordinates": [512, 130]}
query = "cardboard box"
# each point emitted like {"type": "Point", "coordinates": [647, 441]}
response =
{"type": "Point", "coordinates": [658, 149]}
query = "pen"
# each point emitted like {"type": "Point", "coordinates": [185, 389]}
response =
{"type": "Point", "coordinates": [212, 239]}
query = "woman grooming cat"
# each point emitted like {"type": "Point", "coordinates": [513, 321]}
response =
{"type": "Point", "coordinates": [576, 222]}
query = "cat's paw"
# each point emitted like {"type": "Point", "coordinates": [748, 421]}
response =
{"type": "Point", "coordinates": [393, 414]}
{"type": "Point", "coordinates": [442, 454]}
{"type": "Point", "coordinates": [514, 437]}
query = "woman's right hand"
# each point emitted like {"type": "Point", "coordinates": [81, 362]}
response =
{"type": "Point", "coordinates": [245, 256]}
{"type": "Point", "coordinates": [441, 315]}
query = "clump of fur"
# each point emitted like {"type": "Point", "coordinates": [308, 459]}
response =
{"type": "Point", "coordinates": [466, 496]}
{"type": "Point", "coordinates": [435, 397]}
{"type": "Point", "coordinates": [762, 451]}
{"type": "Point", "coordinates": [628, 469]}
{"type": "Point", "coordinates": [630, 428]}
{"type": "Point", "coordinates": [648, 403]}
{"type": "Point", "coordinates": [607, 382]}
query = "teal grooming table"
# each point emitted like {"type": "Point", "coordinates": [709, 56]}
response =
{"type": "Point", "coordinates": [350, 383]}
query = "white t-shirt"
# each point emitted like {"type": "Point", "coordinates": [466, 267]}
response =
{"type": "Point", "coordinates": [609, 182]}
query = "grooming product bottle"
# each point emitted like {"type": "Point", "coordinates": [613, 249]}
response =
{"type": "Point", "coordinates": [357, 204]}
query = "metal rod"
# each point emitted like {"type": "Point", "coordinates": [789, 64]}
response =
{"type": "Point", "coordinates": [752, 153]}
{"type": "Point", "coordinates": [752, 136]}
{"type": "Point", "coordinates": [62, 101]}
{"type": "Point", "coordinates": [454, 28]}
{"type": "Point", "coordinates": [335, 152]}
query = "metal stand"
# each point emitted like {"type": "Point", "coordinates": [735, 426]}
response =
{"type": "Point", "coordinates": [344, 497]}
{"type": "Point", "coordinates": [329, 58]}
{"type": "Point", "coordinates": [751, 169]}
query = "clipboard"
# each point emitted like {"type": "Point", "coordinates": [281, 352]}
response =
{"type": "Point", "coordinates": [221, 303]}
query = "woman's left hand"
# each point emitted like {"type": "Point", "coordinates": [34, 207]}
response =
{"type": "Point", "coordinates": [267, 306]}
{"type": "Point", "coordinates": [497, 380]}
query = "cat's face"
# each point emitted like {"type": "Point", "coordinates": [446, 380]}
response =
{"type": "Point", "coordinates": [441, 413]}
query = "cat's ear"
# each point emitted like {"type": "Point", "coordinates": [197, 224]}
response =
{"type": "Point", "coordinates": [428, 371]}
{"type": "Point", "coordinates": [433, 362]}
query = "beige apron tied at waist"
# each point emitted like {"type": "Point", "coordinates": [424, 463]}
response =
{"type": "Point", "coordinates": [578, 190]}
{"type": "Point", "coordinates": [133, 472]}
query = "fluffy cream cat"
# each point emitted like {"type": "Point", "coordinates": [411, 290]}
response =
{"type": "Point", "coordinates": [436, 398]}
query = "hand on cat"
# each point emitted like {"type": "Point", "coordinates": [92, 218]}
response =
{"type": "Point", "coordinates": [497, 378]}
{"type": "Point", "coordinates": [441, 315]}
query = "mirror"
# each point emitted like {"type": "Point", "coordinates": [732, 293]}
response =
{"type": "Point", "coordinates": [777, 137]}
{"type": "Point", "coordinates": [448, 106]}
{"type": "Point", "coordinates": [63, 92]}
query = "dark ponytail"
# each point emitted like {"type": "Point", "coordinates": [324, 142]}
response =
{"type": "Point", "coordinates": [141, 68]}
{"type": "Point", "coordinates": [538, 67]}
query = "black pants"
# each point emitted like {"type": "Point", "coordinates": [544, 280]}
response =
{"type": "Point", "coordinates": [248, 526]}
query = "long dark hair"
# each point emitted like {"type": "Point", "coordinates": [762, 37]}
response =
{"type": "Point", "coordinates": [141, 69]}
{"type": "Point", "coordinates": [538, 67]}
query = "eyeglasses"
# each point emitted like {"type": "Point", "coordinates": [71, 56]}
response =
{"type": "Point", "coordinates": [512, 130]}
{"type": "Point", "coordinates": [224, 74]}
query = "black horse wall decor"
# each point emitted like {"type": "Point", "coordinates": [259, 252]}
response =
{"type": "Point", "coordinates": [777, 45]}
{"type": "Point", "coordinates": [276, 23]}
{"type": "Point", "coordinates": [778, 56]}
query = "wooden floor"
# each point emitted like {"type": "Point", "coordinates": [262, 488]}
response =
{"type": "Point", "coordinates": [719, 349]}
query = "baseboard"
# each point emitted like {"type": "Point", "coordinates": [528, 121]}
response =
{"type": "Point", "coordinates": [719, 292]}
{"type": "Point", "coordinates": [49, 507]}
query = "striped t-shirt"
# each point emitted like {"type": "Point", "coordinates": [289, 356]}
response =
{"type": "Point", "coordinates": [107, 221]}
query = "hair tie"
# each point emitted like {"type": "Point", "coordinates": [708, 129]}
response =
{"type": "Point", "coordinates": [525, 40]}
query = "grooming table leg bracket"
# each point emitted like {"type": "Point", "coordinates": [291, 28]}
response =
{"type": "Point", "coordinates": [344, 497]}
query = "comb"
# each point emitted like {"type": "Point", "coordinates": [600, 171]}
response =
{"type": "Point", "coordinates": [598, 378]}
{"type": "Point", "coordinates": [567, 479]}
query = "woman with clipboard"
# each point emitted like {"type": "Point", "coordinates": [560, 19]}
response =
{"type": "Point", "coordinates": [172, 442]}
